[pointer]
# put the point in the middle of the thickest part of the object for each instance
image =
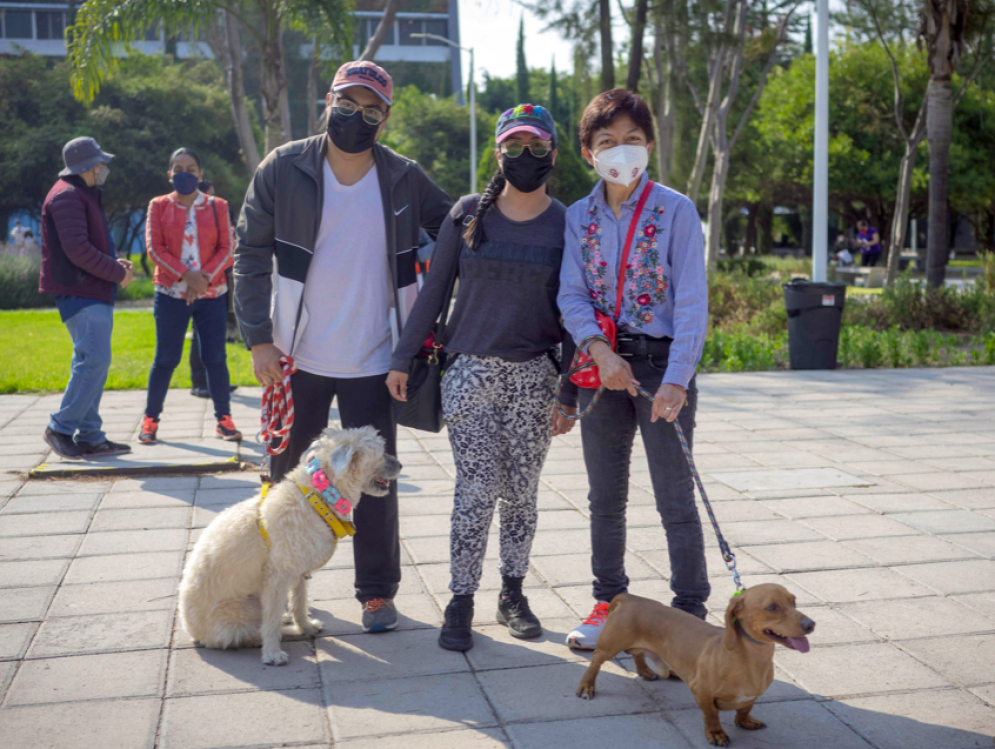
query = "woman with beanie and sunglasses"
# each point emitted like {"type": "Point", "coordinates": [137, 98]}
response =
{"type": "Point", "coordinates": [188, 238]}
{"type": "Point", "coordinates": [498, 393]}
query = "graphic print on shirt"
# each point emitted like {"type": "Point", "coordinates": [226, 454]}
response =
{"type": "Point", "coordinates": [645, 282]}
{"type": "Point", "coordinates": [595, 266]}
{"type": "Point", "coordinates": [190, 255]}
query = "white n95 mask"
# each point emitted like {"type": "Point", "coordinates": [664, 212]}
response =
{"type": "Point", "coordinates": [622, 165]}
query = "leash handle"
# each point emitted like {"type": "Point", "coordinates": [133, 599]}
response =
{"type": "Point", "coordinates": [727, 556]}
{"type": "Point", "coordinates": [276, 413]}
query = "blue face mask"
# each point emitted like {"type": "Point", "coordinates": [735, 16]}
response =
{"type": "Point", "coordinates": [185, 182]}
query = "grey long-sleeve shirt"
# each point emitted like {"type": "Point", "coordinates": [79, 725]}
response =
{"type": "Point", "coordinates": [506, 305]}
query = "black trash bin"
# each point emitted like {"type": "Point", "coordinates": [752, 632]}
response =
{"type": "Point", "coordinates": [815, 313]}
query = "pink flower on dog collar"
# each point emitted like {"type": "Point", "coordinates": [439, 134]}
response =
{"type": "Point", "coordinates": [319, 480]}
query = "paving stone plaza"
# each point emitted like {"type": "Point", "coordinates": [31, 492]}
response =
{"type": "Point", "coordinates": [869, 494]}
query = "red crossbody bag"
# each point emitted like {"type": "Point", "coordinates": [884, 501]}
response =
{"type": "Point", "coordinates": [588, 377]}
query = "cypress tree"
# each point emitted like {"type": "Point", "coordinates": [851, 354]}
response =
{"type": "Point", "coordinates": [808, 36]}
{"type": "Point", "coordinates": [554, 102]}
{"type": "Point", "coordinates": [522, 70]}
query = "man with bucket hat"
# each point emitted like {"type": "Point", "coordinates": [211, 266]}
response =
{"type": "Point", "coordinates": [341, 216]}
{"type": "Point", "coordinates": [80, 270]}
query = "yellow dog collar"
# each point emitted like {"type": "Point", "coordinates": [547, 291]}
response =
{"type": "Point", "coordinates": [341, 528]}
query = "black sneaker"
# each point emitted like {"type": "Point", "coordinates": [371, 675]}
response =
{"type": "Point", "coordinates": [513, 611]}
{"type": "Point", "coordinates": [456, 633]}
{"type": "Point", "coordinates": [200, 392]}
{"type": "Point", "coordinates": [99, 450]}
{"type": "Point", "coordinates": [62, 444]}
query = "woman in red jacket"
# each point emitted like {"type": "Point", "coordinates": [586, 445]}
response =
{"type": "Point", "coordinates": [188, 238]}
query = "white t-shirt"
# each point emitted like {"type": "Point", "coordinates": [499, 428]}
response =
{"type": "Point", "coordinates": [345, 320]}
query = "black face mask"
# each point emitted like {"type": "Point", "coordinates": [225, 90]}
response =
{"type": "Point", "coordinates": [351, 133]}
{"type": "Point", "coordinates": [527, 173]}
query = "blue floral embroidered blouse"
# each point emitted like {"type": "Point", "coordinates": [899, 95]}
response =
{"type": "Point", "coordinates": [665, 292]}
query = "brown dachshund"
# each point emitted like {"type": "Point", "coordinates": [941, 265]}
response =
{"type": "Point", "coordinates": [726, 669]}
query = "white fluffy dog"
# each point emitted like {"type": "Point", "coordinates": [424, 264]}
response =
{"type": "Point", "coordinates": [234, 589]}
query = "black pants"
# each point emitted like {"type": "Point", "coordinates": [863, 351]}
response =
{"type": "Point", "coordinates": [870, 259]}
{"type": "Point", "coordinates": [363, 401]}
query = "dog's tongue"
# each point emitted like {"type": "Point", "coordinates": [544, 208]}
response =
{"type": "Point", "coordinates": [799, 643]}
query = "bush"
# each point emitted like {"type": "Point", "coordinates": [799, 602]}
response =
{"type": "Point", "coordinates": [750, 266]}
{"type": "Point", "coordinates": [19, 280]}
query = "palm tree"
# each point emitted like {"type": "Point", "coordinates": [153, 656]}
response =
{"type": "Point", "coordinates": [947, 27]}
{"type": "Point", "coordinates": [103, 29]}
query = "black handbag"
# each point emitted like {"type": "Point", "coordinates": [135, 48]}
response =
{"type": "Point", "coordinates": [423, 408]}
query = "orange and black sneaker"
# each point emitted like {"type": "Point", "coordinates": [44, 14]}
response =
{"type": "Point", "coordinates": [149, 428]}
{"type": "Point", "coordinates": [226, 430]}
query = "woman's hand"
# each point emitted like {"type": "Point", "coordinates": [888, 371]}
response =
{"type": "Point", "coordinates": [615, 372]}
{"type": "Point", "coordinates": [196, 280]}
{"type": "Point", "coordinates": [667, 402]}
{"type": "Point", "coordinates": [266, 363]}
{"type": "Point", "coordinates": [561, 424]}
{"type": "Point", "coordinates": [397, 384]}
{"type": "Point", "coordinates": [191, 295]}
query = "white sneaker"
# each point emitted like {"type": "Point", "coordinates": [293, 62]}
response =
{"type": "Point", "coordinates": [585, 637]}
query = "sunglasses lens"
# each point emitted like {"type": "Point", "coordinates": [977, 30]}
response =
{"type": "Point", "coordinates": [513, 149]}
{"type": "Point", "coordinates": [540, 150]}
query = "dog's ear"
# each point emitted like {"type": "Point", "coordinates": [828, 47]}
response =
{"type": "Point", "coordinates": [341, 457]}
{"type": "Point", "coordinates": [733, 610]}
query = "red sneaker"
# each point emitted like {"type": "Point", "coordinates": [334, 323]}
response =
{"type": "Point", "coordinates": [149, 428]}
{"type": "Point", "coordinates": [226, 430]}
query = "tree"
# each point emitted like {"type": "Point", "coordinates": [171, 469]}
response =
{"type": "Point", "coordinates": [521, 68]}
{"type": "Point", "coordinates": [807, 46]}
{"type": "Point", "coordinates": [946, 31]}
{"type": "Point", "coordinates": [607, 56]}
{"type": "Point", "coordinates": [636, 57]}
{"type": "Point", "coordinates": [386, 22]}
{"type": "Point", "coordinates": [147, 109]}
{"type": "Point", "coordinates": [104, 27]}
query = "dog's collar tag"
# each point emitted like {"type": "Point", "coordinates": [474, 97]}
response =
{"type": "Point", "coordinates": [324, 487]}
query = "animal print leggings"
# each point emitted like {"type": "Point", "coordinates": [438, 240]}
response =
{"type": "Point", "coordinates": [500, 416]}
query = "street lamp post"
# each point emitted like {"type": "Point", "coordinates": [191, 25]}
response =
{"type": "Point", "coordinates": [820, 191]}
{"type": "Point", "coordinates": [473, 106]}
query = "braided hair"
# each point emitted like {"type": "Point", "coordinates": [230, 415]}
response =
{"type": "Point", "coordinates": [474, 232]}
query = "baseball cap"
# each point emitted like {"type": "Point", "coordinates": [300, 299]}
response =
{"type": "Point", "coordinates": [366, 74]}
{"type": "Point", "coordinates": [81, 155]}
{"type": "Point", "coordinates": [526, 118]}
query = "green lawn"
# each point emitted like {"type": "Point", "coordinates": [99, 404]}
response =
{"type": "Point", "coordinates": [35, 353]}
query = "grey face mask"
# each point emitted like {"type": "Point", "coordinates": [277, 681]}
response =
{"type": "Point", "coordinates": [101, 177]}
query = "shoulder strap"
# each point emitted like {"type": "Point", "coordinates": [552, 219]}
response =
{"type": "Point", "coordinates": [440, 329]}
{"type": "Point", "coordinates": [629, 237]}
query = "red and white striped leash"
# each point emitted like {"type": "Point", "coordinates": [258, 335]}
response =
{"type": "Point", "coordinates": [277, 410]}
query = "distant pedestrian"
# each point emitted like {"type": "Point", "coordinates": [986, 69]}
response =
{"type": "Point", "coordinates": [17, 234]}
{"type": "Point", "coordinates": [869, 242]}
{"type": "Point", "coordinates": [80, 270]}
{"type": "Point", "coordinates": [29, 246]}
{"type": "Point", "coordinates": [189, 239]}
{"type": "Point", "coordinates": [198, 374]}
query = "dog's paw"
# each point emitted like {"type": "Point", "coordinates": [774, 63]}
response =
{"type": "Point", "coordinates": [717, 737]}
{"type": "Point", "coordinates": [586, 691]}
{"type": "Point", "coordinates": [750, 723]}
{"type": "Point", "coordinates": [279, 658]}
{"type": "Point", "coordinates": [287, 618]}
{"type": "Point", "coordinates": [313, 627]}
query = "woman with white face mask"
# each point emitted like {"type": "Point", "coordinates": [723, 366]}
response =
{"type": "Point", "coordinates": [634, 260]}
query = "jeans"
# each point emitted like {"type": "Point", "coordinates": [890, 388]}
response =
{"type": "Point", "coordinates": [607, 435]}
{"type": "Point", "coordinates": [363, 401]}
{"type": "Point", "coordinates": [90, 329]}
{"type": "Point", "coordinates": [870, 259]}
{"type": "Point", "coordinates": [172, 316]}
{"type": "Point", "coordinates": [198, 374]}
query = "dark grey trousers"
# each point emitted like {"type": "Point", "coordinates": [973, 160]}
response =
{"type": "Point", "coordinates": [607, 435]}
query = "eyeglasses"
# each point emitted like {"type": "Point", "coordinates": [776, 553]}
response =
{"type": "Point", "coordinates": [347, 107]}
{"type": "Point", "coordinates": [539, 148]}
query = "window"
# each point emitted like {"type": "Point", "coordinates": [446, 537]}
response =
{"type": "Point", "coordinates": [50, 24]}
{"type": "Point", "coordinates": [17, 24]}
{"type": "Point", "coordinates": [409, 26]}
{"type": "Point", "coordinates": [439, 28]}
{"type": "Point", "coordinates": [389, 38]}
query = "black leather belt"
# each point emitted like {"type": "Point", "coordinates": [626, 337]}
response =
{"type": "Point", "coordinates": [642, 345]}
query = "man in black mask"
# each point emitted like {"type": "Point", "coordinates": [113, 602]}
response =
{"type": "Point", "coordinates": [341, 215]}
